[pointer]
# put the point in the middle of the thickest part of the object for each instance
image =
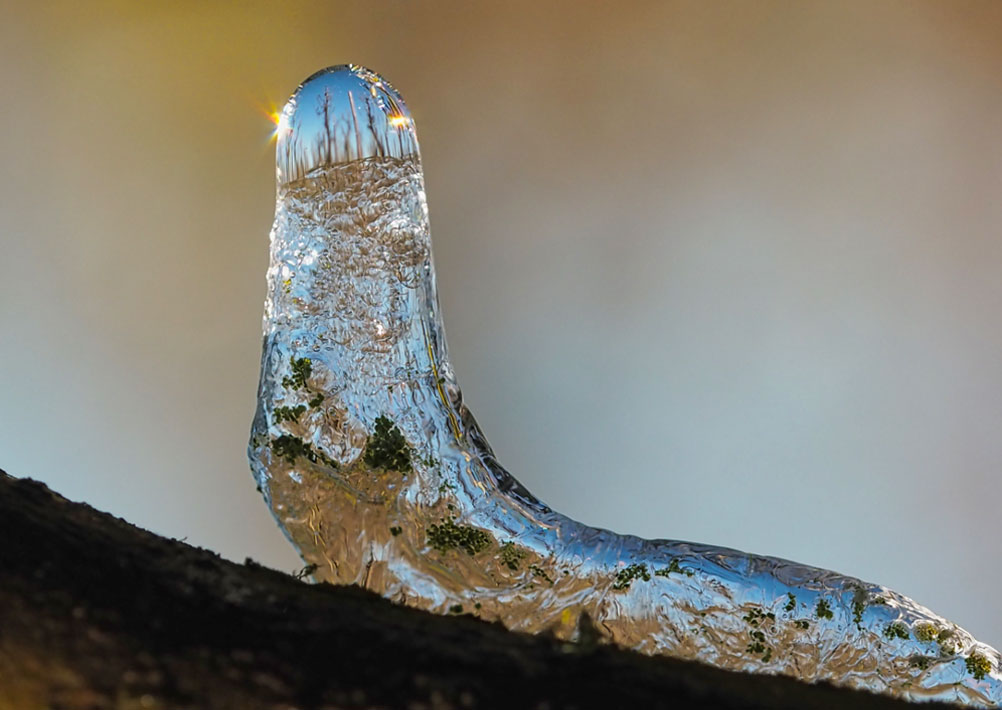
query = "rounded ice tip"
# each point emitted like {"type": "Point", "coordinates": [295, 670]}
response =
{"type": "Point", "coordinates": [339, 115]}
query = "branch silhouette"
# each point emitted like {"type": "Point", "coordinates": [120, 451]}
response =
{"type": "Point", "coordinates": [96, 613]}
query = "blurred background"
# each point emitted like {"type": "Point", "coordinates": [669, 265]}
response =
{"type": "Point", "coordinates": [728, 272]}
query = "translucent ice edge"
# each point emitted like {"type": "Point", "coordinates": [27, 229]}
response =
{"type": "Point", "coordinates": [379, 475]}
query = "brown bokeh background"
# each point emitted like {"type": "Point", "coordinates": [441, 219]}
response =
{"type": "Point", "coordinates": [727, 272]}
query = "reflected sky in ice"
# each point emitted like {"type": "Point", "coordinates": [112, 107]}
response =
{"type": "Point", "coordinates": [794, 241]}
{"type": "Point", "coordinates": [380, 476]}
{"type": "Point", "coordinates": [351, 114]}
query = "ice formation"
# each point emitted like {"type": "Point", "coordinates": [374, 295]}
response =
{"type": "Point", "coordinates": [380, 476]}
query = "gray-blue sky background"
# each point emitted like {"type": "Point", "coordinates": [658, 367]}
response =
{"type": "Point", "coordinates": [725, 272]}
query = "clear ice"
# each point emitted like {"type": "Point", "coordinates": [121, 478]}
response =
{"type": "Point", "coordinates": [379, 475]}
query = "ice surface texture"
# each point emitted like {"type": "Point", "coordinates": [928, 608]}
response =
{"type": "Point", "coordinates": [380, 476]}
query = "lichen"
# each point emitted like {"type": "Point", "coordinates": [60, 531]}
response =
{"type": "Point", "coordinates": [823, 611]}
{"type": "Point", "coordinates": [511, 556]}
{"type": "Point", "coordinates": [302, 369]}
{"type": "Point", "coordinates": [289, 414]}
{"type": "Point", "coordinates": [978, 665]}
{"type": "Point", "coordinates": [626, 576]}
{"type": "Point", "coordinates": [387, 448]}
{"type": "Point", "coordinates": [897, 629]}
{"type": "Point", "coordinates": [447, 535]}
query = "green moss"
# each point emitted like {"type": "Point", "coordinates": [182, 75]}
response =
{"type": "Point", "coordinates": [316, 401]}
{"type": "Point", "coordinates": [291, 448]}
{"type": "Point", "coordinates": [802, 623]}
{"type": "Point", "coordinates": [823, 611]}
{"type": "Point", "coordinates": [897, 629]}
{"type": "Point", "coordinates": [456, 609]}
{"type": "Point", "coordinates": [791, 602]}
{"type": "Point", "coordinates": [387, 448]}
{"type": "Point", "coordinates": [449, 536]}
{"type": "Point", "coordinates": [673, 566]}
{"type": "Point", "coordinates": [626, 576]}
{"type": "Point", "coordinates": [758, 645]}
{"type": "Point", "coordinates": [859, 596]}
{"type": "Point", "coordinates": [756, 617]}
{"type": "Point", "coordinates": [511, 556]}
{"type": "Point", "coordinates": [289, 414]}
{"type": "Point", "coordinates": [978, 665]}
{"type": "Point", "coordinates": [396, 530]}
{"type": "Point", "coordinates": [302, 369]}
{"type": "Point", "coordinates": [920, 662]}
{"type": "Point", "coordinates": [926, 632]}
{"type": "Point", "coordinates": [538, 571]}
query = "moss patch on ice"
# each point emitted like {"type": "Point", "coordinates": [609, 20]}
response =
{"type": "Point", "coordinates": [926, 632]}
{"type": "Point", "coordinates": [511, 556]}
{"type": "Point", "coordinates": [627, 575]}
{"type": "Point", "coordinates": [291, 448]}
{"type": "Point", "coordinates": [823, 610]}
{"type": "Point", "coordinates": [386, 447]}
{"type": "Point", "coordinates": [302, 369]}
{"type": "Point", "coordinates": [447, 535]}
{"type": "Point", "coordinates": [289, 414]}
{"type": "Point", "coordinates": [538, 571]}
{"type": "Point", "coordinates": [978, 665]}
{"type": "Point", "coordinates": [897, 629]}
{"type": "Point", "coordinates": [673, 566]}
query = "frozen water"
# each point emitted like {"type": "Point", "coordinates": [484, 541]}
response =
{"type": "Point", "coordinates": [380, 476]}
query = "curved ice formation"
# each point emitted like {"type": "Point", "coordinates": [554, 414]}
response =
{"type": "Point", "coordinates": [380, 476]}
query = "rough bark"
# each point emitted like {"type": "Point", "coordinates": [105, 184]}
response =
{"type": "Point", "coordinates": [96, 613]}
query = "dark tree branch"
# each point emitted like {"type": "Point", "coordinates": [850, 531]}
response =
{"type": "Point", "coordinates": [97, 614]}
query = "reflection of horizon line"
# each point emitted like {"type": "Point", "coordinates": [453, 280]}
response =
{"type": "Point", "coordinates": [320, 170]}
{"type": "Point", "coordinates": [296, 156]}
